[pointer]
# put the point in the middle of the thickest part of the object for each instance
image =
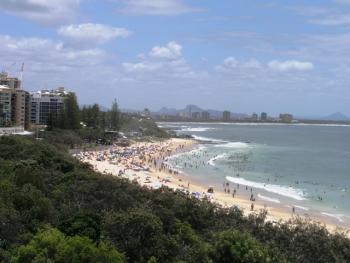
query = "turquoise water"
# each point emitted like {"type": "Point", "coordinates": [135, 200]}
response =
{"type": "Point", "coordinates": [307, 166]}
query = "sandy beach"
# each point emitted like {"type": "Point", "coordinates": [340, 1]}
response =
{"type": "Point", "coordinates": [145, 163]}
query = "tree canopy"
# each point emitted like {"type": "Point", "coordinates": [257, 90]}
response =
{"type": "Point", "coordinates": [54, 208]}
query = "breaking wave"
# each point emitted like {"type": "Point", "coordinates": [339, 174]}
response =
{"type": "Point", "coordinates": [218, 157]}
{"type": "Point", "coordinates": [235, 145]}
{"type": "Point", "coordinates": [276, 189]}
{"type": "Point", "coordinates": [274, 200]}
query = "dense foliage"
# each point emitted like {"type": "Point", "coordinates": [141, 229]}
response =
{"type": "Point", "coordinates": [55, 209]}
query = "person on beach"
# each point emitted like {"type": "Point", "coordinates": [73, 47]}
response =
{"type": "Point", "coordinates": [252, 207]}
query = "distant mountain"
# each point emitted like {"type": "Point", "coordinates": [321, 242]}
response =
{"type": "Point", "coordinates": [337, 116]}
{"type": "Point", "coordinates": [167, 111]}
{"type": "Point", "coordinates": [130, 110]}
{"type": "Point", "coordinates": [194, 108]}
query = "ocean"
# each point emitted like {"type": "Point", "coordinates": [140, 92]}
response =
{"type": "Point", "coordinates": [305, 166]}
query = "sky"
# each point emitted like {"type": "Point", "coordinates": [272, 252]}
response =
{"type": "Point", "coordinates": [238, 55]}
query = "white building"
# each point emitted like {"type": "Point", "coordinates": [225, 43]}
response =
{"type": "Point", "coordinates": [45, 103]}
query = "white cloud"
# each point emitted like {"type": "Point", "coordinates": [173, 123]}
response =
{"type": "Point", "coordinates": [290, 65]}
{"type": "Point", "coordinates": [45, 50]}
{"type": "Point", "coordinates": [155, 7]}
{"type": "Point", "coordinates": [86, 34]}
{"type": "Point", "coordinates": [48, 12]}
{"type": "Point", "coordinates": [166, 64]}
{"type": "Point", "coordinates": [332, 20]}
{"type": "Point", "coordinates": [141, 67]}
{"type": "Point", "coordinates": [48, 63]}
{"type": "Point", "coordinates": [231, 63]}
{"type": "Point", "coordinates": [171, 51]}
{"type": "Point", "coordinates": [325, 15]}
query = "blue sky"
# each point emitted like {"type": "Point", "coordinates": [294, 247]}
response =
{"type": "Point", "coordinates": [240, 55]}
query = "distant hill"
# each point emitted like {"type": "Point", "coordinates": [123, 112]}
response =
{"type": "Point", "coordinates": [194, 108]}
{"type": "Point", "coordinates": [337, 116]}
{"type": "Point", "coordinates": [167, 111]}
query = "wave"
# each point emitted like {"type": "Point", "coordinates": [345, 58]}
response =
{"type": "Point", "coordinates": [276, 189]}
{"type": "Point", "coordinates": [274, 200]}
{"type": "Point", "coordinates": [198, 129]}
{"type": "Point", "coordinates": [339, 217]}
{"type": "Point", "coordinates": [235, 145]}
{"type": "Point", "coordinates": [302, 207]}
{"type": "Point", "coordinates": [194, 151]}
{"type": "Point", "coordinates": [206, 139]}
{"type": "Point", "coordinates": [212, 160]}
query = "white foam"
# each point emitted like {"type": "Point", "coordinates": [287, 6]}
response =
{"type": "Point", "coordinates": [336, 216]}
{"type": "Point", "coordinates": [302, 207]}
{"type": "Point", "coordinates": [194, 151]}
{"type": "Point", "coordinates": [206, 139]}
{"type": "Point", "coordinates": [289, 124]}
{"type": "Point", "coordinates": [235, 145]}
{"type": "Point", "coordinates": [276, 189]}
{"type": "Point", "coordinates": [274, 200]}
{"type": "Point", "coordinates": [212, 160]}
{"type": "Point", "coordinates": [198, 129]}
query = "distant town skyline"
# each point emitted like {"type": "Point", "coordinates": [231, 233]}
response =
{"type": "Point", "coordinates": [242, 56]}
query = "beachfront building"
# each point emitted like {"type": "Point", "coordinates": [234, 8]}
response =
{"type": "Point", "coordinates": [20, 108]}
{"type": "Point", "coordinates": [8, 81]}
{"type": "Point", "coordinates": [184, 115]}
{"type": "Point", "coordinates": [226, 116]}
{"type": "Point", "coordinates": [46, 104]}
{"type": "Point", "coordinates": [14, 103]}
{"type": "Point", "coordinates": [205, 116]}
{"type": "Point", "coordinates": [286, 117]}
{"type": "Point", "coordinates": [254, 117]}
{"type": "Point", "coordinates": [196, 115]}
{"type": "Point", "coordinates": [263, 116]}
{"type": "Point", "coordinates": [5, 106]}
{"type": "Point", "coordinates": [146, 113]}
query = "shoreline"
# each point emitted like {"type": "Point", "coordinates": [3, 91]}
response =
{"type": "Point", "coordinates": [146, 164]}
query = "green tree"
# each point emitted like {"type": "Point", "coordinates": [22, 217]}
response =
{"type": "Point", "coordinates": [71, 118]}
{"type": "Point", "coordinates": [83, 224]}
{"type": "Point", "coordinates": [234, 246]}
{"type": "Point", "coordinates": [50, 245]}
{"type": "Point", "coordinates": [190, 247]}
{"type": "Point", "coordinates": [90, 115]}
{"type": "Point", "coordinates": [138, 233]}
{"type": "Point", "coordinates": [114, 116]}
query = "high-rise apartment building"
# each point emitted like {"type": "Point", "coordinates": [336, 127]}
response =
{"type": "Point", "coordinates": [196, 115]}
{"type": "Point", "coordinates": [286, 117]}
{"type": "Point", "coordinates": [14, 102]}
{"type": "Point", "coordinates": [254, 117]}
{"type": "Point", "coordinates": [205, 116]}
{"type": "Point", "coordinates": [5, 106]}
{"type": "Point", "coordinates": [10, 82]}
{"type": "Point", "coordinates": [46, 104]}
{"type": "Point", "coordinates": [263, 116]}
{"type": "Point", "coordinates": [226, 116]}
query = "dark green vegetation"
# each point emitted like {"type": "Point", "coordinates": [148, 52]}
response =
{"type": "Point", "coordinates": [93, 125]}
{"type": "Point", "coordinates": [55, 209]}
